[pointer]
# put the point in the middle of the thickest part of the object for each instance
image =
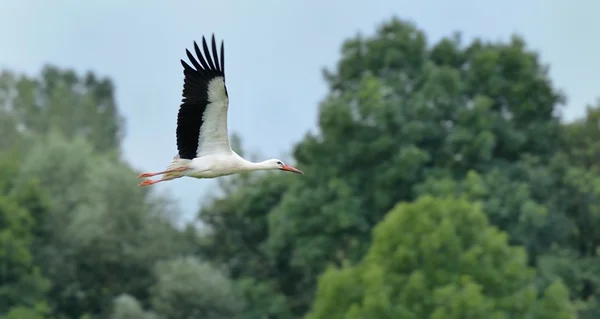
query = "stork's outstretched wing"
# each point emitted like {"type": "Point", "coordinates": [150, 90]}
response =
{"type": "Point", "coordinates": [202, 118]}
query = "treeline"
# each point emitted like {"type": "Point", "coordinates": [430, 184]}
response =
{"type": "Point", "coordinates": [441, 184]}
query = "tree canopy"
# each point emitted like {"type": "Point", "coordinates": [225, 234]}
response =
{"type": "Point", "coordinates": [438, 258]}
{"type": "Point", "coordinates": [404, 118]}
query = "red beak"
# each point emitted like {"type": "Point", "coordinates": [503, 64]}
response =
{"type": "Point", "coordinates": [291, 169]}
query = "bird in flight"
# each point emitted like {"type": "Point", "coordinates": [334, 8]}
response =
{"type": "Point", "coordinates": [202, 137]}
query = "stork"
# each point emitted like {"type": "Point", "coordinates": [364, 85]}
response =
{"type": "Point", "coordinates": [202, 137]}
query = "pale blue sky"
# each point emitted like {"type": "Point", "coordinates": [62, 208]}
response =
{"type": "Point", "coordinates": [275, 51]}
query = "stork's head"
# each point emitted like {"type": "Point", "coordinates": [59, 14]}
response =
{"type": "Point", "coordinates": [278, 164]}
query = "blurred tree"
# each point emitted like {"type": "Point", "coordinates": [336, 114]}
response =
{"type": "Point", "coordinates": [26, 313]}
{"type": "Point", "coordinates": [237, 238]}
{"type": "Point", "coordinates": [188, 288]}
{"type": "Point", "coordinates": [102, 235]}
{"type": "Point", "coordinates": [248, 204]}
{"type": "Point", "coordinates": [438, 258]}
{"type": "Point", "coordinates": [577, 194]}
{"type": "Point", "coordinates": [77, 105]}
{"type": "Point", "coordinates": [9, 129]}
{"type": "Point", "coordinates": [262, 299]}
{"type": "Point", "coordinates": [550, 209]}
{"type": "Point", "coordinates": [398, 111]}
{"type": "Point", "coordinates": [22, 286]}
{"type": "Point", "coordinates": [582, 139]}
{"type": "Point", "coordinates": [127, 307]}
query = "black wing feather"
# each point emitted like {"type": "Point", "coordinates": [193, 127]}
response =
{"type": "Point", "coordinates": [207, 54]}
{"type": "Point", "coordinates": [195, 96]}
{"type": "Point", "coordinates": [214, 53]}
{"type": "Point", "coordinates": [222, 57]}
{"type": "Point", "coordinates": [191, 57]}
{"type": "Point", "coordinates": [199, 55]}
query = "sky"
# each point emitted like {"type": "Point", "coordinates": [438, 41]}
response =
{"type": "Point", "coordinates": [275, 52]}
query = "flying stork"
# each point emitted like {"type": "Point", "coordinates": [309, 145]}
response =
{"type": "Point", "coordinates": [202, 138]}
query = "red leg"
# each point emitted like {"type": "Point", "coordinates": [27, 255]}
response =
{"type": "Point", "coordinates": [149, 182]}
{"type": "Point", "coordinates": [173, 170]}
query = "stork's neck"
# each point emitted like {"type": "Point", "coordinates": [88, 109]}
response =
{"type": "Point", "coordinates": [256, 166]}
{"type": "Point", "coordinates": [252, 166]}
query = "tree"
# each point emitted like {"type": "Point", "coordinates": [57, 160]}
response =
{"type": "Point", "coordinates": [9, 128]}
{"type": "Point", "coordinates": [26, 313]}
{"type": "Point", "coordinates": [127, 307]}
{"type": "Point", "coordinates": [438, 258]}
{"type": "Point", "coordinates": [549, 209]}
{"type": "Point", "coordinates": [23, 289]}
{"type": "Point", "coordinates": [399, 111]}
{"type": "Point", "coordinates": [236, 239]}
{"type": "Point", "coordinates": [102, 235]}
{"type": "Point", "coordinates": [582, 136]}
{"type": "Point", "coordinates": [188, 288]}
{"type": "Point", "coordinates": [76, 105]}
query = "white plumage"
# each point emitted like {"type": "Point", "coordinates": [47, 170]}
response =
{"type": "Point", "coordinates": [202, 136]}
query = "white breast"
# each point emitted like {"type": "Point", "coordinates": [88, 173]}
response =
{"type": "Point", "coordinates": [215, 165]}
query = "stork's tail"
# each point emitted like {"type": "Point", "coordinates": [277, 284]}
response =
{"type": "Point", "coordinates": [174, 170]}
{"type": "Point", "coordinates": [176, 163]}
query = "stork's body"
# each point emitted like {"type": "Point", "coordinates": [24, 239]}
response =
{"type": "Point", "coordinates": [202, 136]}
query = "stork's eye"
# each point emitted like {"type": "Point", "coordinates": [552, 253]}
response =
{"type": "Point", "coordinates": [279, 163]}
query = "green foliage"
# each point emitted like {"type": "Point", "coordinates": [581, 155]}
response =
{"type": "Point", "coordinates": [127, 307]}
{"type": "Point", "coordinates": [77, 105]}
{"type": "Point", "coordinates": [558, 230]}
{"type": "Point", "coordinates": [23, 285]}
{"type": "Point", "coordinates": [554, 303]}
{"type": "Point", "coordinates": [188, 288]}
{"type": "Point", "coordinates": [39, 311]}
{"type": "Point", "coordinates": [438, 258]}
{"type": "Point", "coordinates": [260, 299]}
{"type": "Point", "coordinates": [400, 112]}
{"type": "Point", "coordinates": [99, 228]}
{"type": "Point", "coordinates": [70, 212]}
{"type": "Point", "coordinates": [582, 138]}
{"type": "Point", "coordinates": [245, 253]}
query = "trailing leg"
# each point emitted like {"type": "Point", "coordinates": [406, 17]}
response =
{"type": "Point", "coordinates": [168, 171]}
{"type": "Point", "coordinates": [165, 178]}
{"type": "Point", "coordinates": [176, 166]}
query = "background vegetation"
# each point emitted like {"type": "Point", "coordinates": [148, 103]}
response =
{"type": "Point", "coordinates": [442, 183]}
